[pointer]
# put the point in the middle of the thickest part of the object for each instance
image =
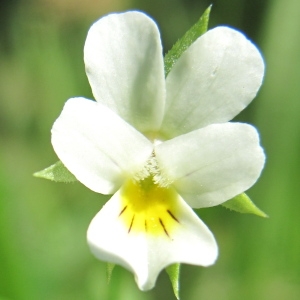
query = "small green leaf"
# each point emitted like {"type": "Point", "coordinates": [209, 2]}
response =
{"type": "Point", "coordinates": [109, 269]}
{"type": "Point", "coordinates": [57, 172]}
{"type": "Point", "coordinates": [173, 272]}
{"type": "Point", "coordinates": [243, 204]}
{"type": "Point", "coordinates": [189, 37]}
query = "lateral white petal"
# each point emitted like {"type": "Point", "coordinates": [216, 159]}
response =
{"type": "Point", "coordinates": [212, 164]}
{"type": "Point", "coordinates": [97, 146]}
{"type": "Point", "coordinates": [145, 254]}
{"type": "Point", "coordinates": [216, 78]}
{"type": "Point", "coordinates": [124, 65]}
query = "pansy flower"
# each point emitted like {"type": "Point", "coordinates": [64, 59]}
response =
{"type": "Point", "coordinates": [160, 145]}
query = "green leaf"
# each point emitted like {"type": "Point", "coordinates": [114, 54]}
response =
{"type": "Point", "coordinates": [174, 271]}
{"type": "Point", "coordinates": [109, 269]}
{"type": "Point", "coordinates": [243, 204]}
{"type": "Point", "coordinates": [189, 37]}
{"type": "Point", "coordinates": [57, 172]}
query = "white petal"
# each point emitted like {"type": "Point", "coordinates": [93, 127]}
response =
{"type": "Point", "coordinates": [144, 254]}
{"type": "Point", "coordinates": [213, 81]}
{"type": "Point", "coordinates": [97, 146]}
{"type": "Point", "coordinates": [124, 65]}
{"type": "Point", "coordinates": [212, 164]}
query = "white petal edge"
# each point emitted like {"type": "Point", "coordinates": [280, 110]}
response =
{"type": "Point", "coordinates": [211, 165]}
{"type": "Point", "coordinates": [147, 255]}
{"type": "Point", "coordinates": [215, 79]}
{"type": "Point", "coordinates": [124, 65]}
{"type": "Point", "coordinates": [97, 146]}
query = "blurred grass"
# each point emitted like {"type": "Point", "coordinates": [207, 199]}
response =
{"type": "Point", "coordinates": [43, 253]}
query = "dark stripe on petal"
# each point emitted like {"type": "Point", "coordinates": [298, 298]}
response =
{"type": "Point", "coordinates": [173, 217]}
{"type": "Point", "coordinates": [131, 223]}
{"type": "Point", "coordinates": [163, 226]}
{"type": "Point", "coordinates": [122, 210]}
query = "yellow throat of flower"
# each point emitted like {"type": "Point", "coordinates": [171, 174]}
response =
{"type": "Point", "coordinates": [147, 207]}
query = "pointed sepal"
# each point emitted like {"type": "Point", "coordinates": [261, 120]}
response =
{"type": "Point", "coordinates": [56, 172]}
{"type": "Point", "coordinates": [173, 272]}
{"type": "Point", "coordinates": [243, 204]}
{"type": "Point", "coordinates": [189, 37]}
{"type": "Point", "coordinates": [109, 269]}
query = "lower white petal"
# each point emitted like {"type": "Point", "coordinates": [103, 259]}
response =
{"type": "Point", "coordinates": [145, 242]}
{"type": "Point", "coordinates": [211, 165]}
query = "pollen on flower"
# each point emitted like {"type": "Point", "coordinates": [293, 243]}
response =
{"type": "Point", "coordinates": [150, 208]}
{"type": "Point", "coordinates": [151, 169]}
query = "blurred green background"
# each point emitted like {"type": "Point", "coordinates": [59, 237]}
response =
{"type": "Point", "coordinates": [43, 251]}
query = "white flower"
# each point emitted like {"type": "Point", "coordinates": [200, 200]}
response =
{"type": "Point", "coordinates": [161, 146]}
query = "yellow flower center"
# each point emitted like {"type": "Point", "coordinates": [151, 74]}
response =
{"type": "Point", "coordinates": [148, 207]}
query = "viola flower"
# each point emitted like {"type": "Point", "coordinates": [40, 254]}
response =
{"type": "Point", "coordinates": [161, 146]}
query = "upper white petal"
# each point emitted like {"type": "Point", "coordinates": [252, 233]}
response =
{"type": "Point", "coordinates": [97, 146]}
{"type": "Point", "coordinates": [212, 164]}
{"type": "Point", "coordinates": [124, 65]}
{"type": "Point", "coordinates": [145, 254]}
{"type": "Point", "coordinates": [216, 78]}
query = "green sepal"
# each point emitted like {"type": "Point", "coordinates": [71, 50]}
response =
{"type": "Point", "coordinates": [109, 269]}
{"type": "Point", "coordinates": [189, 37]}
{"type": "Point", "coordinates": [243, 204]}
{"type": "Point", "coordinates": [174, 271]}
{"type": "Point", "coordinates": [57, 172]}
